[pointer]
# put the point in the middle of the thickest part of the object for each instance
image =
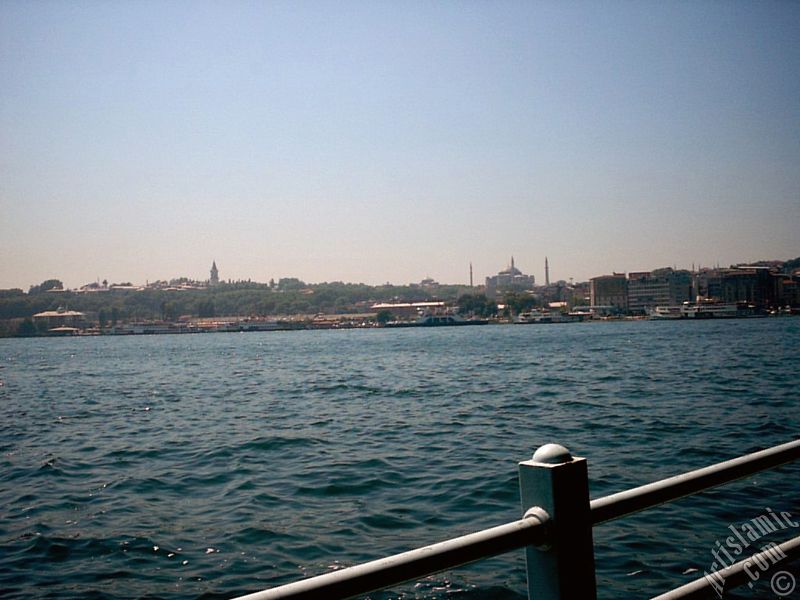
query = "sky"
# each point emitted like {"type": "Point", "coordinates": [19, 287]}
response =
{"type": "Point", "coordinates": [377, 141]}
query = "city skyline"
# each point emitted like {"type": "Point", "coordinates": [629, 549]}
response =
{"type": "Point", "coordinates": [213, 276]}
{"type": "Point", "coordinates": [373, 142]}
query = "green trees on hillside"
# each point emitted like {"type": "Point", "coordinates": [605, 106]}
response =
{"type": "Point", "coordinates": [517, 303]}
{"type": "Point", "coordinates": [476, 304]}
{"type": "Point", "coordinates": [286, 297]}
{"type": "Point", "coordinates": [50, 284]}
{"type": "Point", "coordinates": [26, 329]}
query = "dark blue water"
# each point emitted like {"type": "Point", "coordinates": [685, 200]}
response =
{"type": "Point", "coordinates": [216, 465]}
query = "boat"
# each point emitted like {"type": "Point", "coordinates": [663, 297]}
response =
{"type": "Point", "coordinates": [710, 310]}
{"type": "Point", "coordinates": [437, 320]}
{"type": "Point", "coordinates": [706, 309]}
{"type": "Point", "coordinates": [538, 316]}
{"type": "Point", "coordinates": [659, 313]}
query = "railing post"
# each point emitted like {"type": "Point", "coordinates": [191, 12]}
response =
{"type": "Point", "coordinates": [558, 483]}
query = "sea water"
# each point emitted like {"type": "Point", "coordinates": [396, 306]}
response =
{"type": "Point", "coordinates": [212, 465]}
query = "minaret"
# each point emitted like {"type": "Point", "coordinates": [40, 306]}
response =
{"type": "Point", "coordinates": [470, 275]}
{"type": "Point", "coordinates": [214, 274]}
{"type": "Point", "coordinates": [546, 272]}
{"type": "Point", "coordinates": [512, 263]}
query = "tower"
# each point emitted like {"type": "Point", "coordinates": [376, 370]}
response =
{"type": "Point", "coordinates": [470, 274]}
{"type": "Point", "coordinates": [546, 272]}
{"type": "Point", "coordinates": [214, 274]}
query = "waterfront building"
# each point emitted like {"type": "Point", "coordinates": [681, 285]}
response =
{"type": "Point", "coordinates": [510, 279]}
{"type": "Point", "coordinates": [662, 287]}
{"type": "Point", "coordinates": [754, 285]}
{"type": "Point", "coordinates": [788, 290]}
{"type": "Point", "coordinates": [408, 309]}
{"type": "Point", "coordinates": [580, 293]}
{"type": "Point", "coordinates": [60, 318]}
{"type": "Point", "coordinates": [610, 291]}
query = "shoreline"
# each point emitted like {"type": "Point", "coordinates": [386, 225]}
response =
{"type": "Point", "coordinates": [251, 326]}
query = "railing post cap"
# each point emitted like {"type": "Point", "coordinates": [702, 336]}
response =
{"type": "Point", "coordinates": [552, 454]}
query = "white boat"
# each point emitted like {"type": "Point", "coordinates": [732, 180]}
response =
{"type": "Point", "coordinates": [710, 310]}
{"type": "Point", "coordinates": [666, 312]}
{"type": "Point", "coordinates": [538, 316]}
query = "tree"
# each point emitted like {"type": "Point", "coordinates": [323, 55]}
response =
{"type": "Point", "coordinates": [519, 303]}
{"type": "Point", "coordinates": [476, 304]}
{"type": "Point", "coordinates": [383, 317]}
{"type": "Point", "coordinates": [49, 284]}
{"type": "Point", "coordinates": [287, 284]}
{"type": "Point", "coordinates": [206, 309]}
{"type": "Point", "coordinates": [268, 307]}
{"type": "Point", "coordinates": [26, 328]}
{"type": "Point", "coordinates": [791, 265]}
{"type": "Point", "coordinates": [169, 311]}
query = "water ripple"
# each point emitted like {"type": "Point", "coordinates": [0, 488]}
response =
{"type": "Point", "coordinates": [211, 466]}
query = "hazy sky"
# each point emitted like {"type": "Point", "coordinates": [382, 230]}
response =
{"type": "Point", "coordinates": [389, 141]}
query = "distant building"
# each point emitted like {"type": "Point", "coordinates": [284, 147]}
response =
{"type": "Point", "coordinates": [408, 309]}
{"type": "Point", "coordinates": [580, 293]}
{"type": "Point", "coordinates": [93, 288]}
{"type": "Point", "coordinates": [755, 285]}
{"type": "Point", "coordinates": [662, 287]}
{"type": "Point", "coordinates": [609, 291]}
{"type": "Point", "coordinates": [788, 290]}
{"type": "Point", "coordinates": [559, 291]}
{"type": "Point", "coordinates": [124, 287]}
{"type": "Point", "coordinates": [510, 279]}
{"type": "Point", "coordinates": [214, 274]}
{"type": "Point", "coordinates": [428, 283]}
{"type": "Point", "coordinates": [60, 318]}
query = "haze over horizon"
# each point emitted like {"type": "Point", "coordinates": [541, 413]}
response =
{"type": "Point", "coordinates": [374, 142]}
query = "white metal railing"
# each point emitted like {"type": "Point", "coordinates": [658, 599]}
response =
{"type": "Point", "coordinates": [556, 531]}
{"type": "Point", "coordinates": [387, 571]}
{"type": "Point", "coordinates": [736, 574]}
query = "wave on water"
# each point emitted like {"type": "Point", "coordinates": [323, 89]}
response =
{"type": "Point", "coordinates": [213, 466]}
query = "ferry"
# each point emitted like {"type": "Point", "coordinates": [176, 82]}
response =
{"type": "Point", "coordinates": [704, 309]}
{"type": "Point", "coordinates": [710, 310]}
{"type": "Point", "coordinates": [666, 312]}
{"type": "Point", "coordinates": [537, 316]}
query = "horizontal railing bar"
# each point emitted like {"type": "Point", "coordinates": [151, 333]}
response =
{"type": "Point", "coordinates": [384, 572]}
{"type": "Point", "coordinates": [736, 575]}
{"type": "Point", "coordinates": [647, 496]}
{"type": "Point", "coordinates": [530, 530]}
